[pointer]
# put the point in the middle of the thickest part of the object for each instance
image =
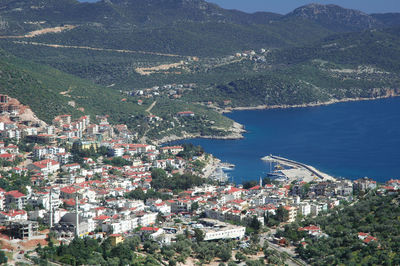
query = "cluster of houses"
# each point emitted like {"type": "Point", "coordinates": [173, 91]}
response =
{"type": "Point", "coordinates": [172, 90]}
{"type": "Point", "coordinates": [13, 124]}
{"type": "Point", "coordinates": [82, 197]}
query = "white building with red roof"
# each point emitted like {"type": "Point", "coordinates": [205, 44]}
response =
{"type": "Point", "coordinates": [15, 198]}
{"type": "Point", "coordinates": [45, 166]}
{"type": "Point", "coordinates": [172, 149]}
{"type": "Point", "coordinates": [186, 114]}
{"type": "Point", "coordinates": [19, 170]}
{"type": "Point", "coordinates": [73, 167]}
{"type": "Point", "coordinates": [7, 157]}
{"type": "Point", "coordinates": [153, 231]}
{"type": "Point", "coordinates": [69, 192]}
{"type": "Point", "coordinates": [13, 215]}
{"type": "Point", "coordinates": [366, 237]}
{"type": "Point", "coordinates": [161, 207]}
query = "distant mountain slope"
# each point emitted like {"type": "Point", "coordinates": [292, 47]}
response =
{"type": "Point", "coordinates": [348, 65]}
{"type": "Point", "coordinates": [388, 19]}
{"type": "Point", "coordinates": [126, 13]}
{"type": "Point", "coordinates": [380, 48]}
{"type": "Point", "coordinates": [187, 27]}
{"type": "Point", "coordinates": [336, 18]}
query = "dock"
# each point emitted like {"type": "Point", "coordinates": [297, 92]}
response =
{"type": "Point", "coordinates": [298, 165]}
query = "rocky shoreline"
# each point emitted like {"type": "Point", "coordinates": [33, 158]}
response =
{"type": "Point", "coordinates": [284, 106]}
{"type": "Point", "coordinates": [236, 132]}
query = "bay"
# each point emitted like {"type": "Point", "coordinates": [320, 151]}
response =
{"type": "Point", "coordinates": [350, 140]}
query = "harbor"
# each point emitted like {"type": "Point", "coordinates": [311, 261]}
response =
{"type": "Point", "coordinates": [296, 171]}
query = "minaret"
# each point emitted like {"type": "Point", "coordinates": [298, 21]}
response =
{"type": "Point", "coordinates": [260, 182]}
{"type": "Point", "coordinates": [51, 209]}
{"type": "Point", "coordinates": [77, 217]}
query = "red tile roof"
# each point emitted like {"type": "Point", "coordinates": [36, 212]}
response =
{"type": "Point", "coordinates": [13, 213]}
{"type": "Point", "coordinates": [15, 194]}
{"type": "Point", "coordinates": [309, 228]}
{"type": "Point", "coordinates": [43, 164]}
{"type": "Point", "coordinates": [68, 190]}
{"type": "Point", "coordinates": [101, 217]}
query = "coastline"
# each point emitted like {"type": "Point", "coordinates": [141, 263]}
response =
{"type": "Point", "coordinates": [237, 130]}
{"type": "Point", "coordinates": [316, 104]}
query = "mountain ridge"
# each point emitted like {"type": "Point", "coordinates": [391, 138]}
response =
{"type": "Point", "coordinates": [336, 18]}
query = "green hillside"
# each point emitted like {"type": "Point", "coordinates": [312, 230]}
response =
{"type": "Point", "coordinates": [190, 27]}
{"type": "Point", "coordinates": [377, 216]}
{"type": "Point", "coordinates": [364, 64]}
{"type": "Point", "coordinates": [380, 48]}
{"type": "Point", "coordinates": [49, 92]}
{"type": "Point", "coordinates": [40, 87]}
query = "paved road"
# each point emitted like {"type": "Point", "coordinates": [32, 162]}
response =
{"type": "Point", "coordinates": [292, 254]}
{"type": "Point", "coordinates": [20, 258]}
{"type": "Point", "coordinates": [151, 107]}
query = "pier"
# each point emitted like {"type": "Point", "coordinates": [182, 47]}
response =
{"type": "Point", "coordinates": [294, 164]}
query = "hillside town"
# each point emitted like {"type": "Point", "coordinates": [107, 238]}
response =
{"type": "Point", "coordinates": [85, 177]}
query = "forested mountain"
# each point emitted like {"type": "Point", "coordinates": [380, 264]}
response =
{"type": "Point", "coordinates": [351, 65]}
{"type": "Point", "coordinates": [185, 27]}
{"type": "Point", "coordinates": [388, 19]}
{"type": "Point", "coordinates": [316, 53]}
{"type": "Point", "coordinates": [336, 18]}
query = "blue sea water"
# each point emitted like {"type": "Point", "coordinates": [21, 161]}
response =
{"type": "Point", "coordinates": [350, 140]}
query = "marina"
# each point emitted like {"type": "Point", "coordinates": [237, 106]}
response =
{"type": "Point", "coordinates": [297, 170]}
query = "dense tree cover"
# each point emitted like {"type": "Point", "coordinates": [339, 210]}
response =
{"type": "Point", "coordinates": [117, 161]}
{"type": "Point", "coordinates": [297, 84]}
{"type": "Point", "coordinates": [250, 184]}
{"type": "Point", "coordinates": [7, 163]}
{"type": "Point", "coordinates": [180, 27]}
{"type": "Point", "coordinates": [78, 153]}
{"type": "Point", "coordinates": [23, 146]}
{"type": "Point", "coordinates": [3, 257]}
{"type": "Point", "coordinates": [39, 87]}
{"type": "Point", "coordinates": [89, 251]}
{"type": "Point", "coordinates": [150, 194]}
{"type": "Point", "coordinates": [160, 179]}
{"type": "Point", "coordinates": [12, 181]}
{"type": "Point", "coordinates": [191, 38]}
{"type": "Point", "coordinates": [281, 215]}
{"type": "Point", "coordinates": [255, 224]}
{"type": "Point", "coordinates": [204, 123]}
{"type": "Point", "coordinates": [375, 215]}
{"type": "Point", "coordinates": [274, 257]}
{"type": "Point", "coordinates": [190, 150]}
{"type": "Point", "coordinates": [377, 48]}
